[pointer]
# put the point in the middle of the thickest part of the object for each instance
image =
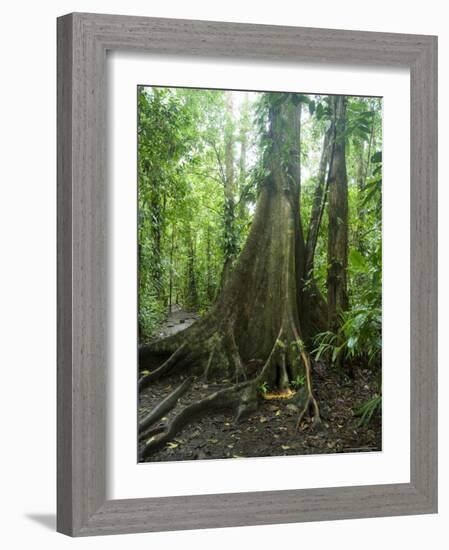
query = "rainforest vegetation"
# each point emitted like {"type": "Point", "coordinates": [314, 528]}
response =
{"type": "Point", "coordinates": [259, 272]}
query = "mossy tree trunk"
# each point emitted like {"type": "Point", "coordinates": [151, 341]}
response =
{"type": "Point", "coordinates": [337, 252]}
{"type": "Point", "coordinates": [256, 318]}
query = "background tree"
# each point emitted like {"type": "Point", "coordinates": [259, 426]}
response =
{"type": "Point", "coordinates": [337, 255]}
{"type": "Point", "coordinates": [229, 184]}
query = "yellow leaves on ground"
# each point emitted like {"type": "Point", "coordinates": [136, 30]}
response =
{"type": "Point", "coordinates": [285, 394]}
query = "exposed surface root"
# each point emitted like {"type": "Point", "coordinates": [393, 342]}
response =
{"type": "Point", "coordinates": [286, 360]}
{"type": "Point", "coordinates": [270, 430]}
{"type": "Point", "coordinates": [310, 401]}
{"type": "Point", "coordinates": [165, 405]}
{"type": "Point", "coordinates": [208, 365]}
{"type": "Point", "coordinates": [146, 434]}
{"type": "Point", "coordinates": [226, 398]}
{"type": "Point", "coordinates": [235, 359]}
{"type": "Point", "coordinates": [310, 405]}
{"type": "Point", "coordinates": [164, 369]}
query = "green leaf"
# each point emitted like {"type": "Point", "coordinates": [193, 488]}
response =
{"type": "Point", "coordinates": [352, 342]}
{"type": "Point", "coordinates": [357, 261]}
{"type": "Point", "coordinates": [376, 157]}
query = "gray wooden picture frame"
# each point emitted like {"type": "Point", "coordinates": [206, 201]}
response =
{"type": "Point", "coordinates": [83, 40]}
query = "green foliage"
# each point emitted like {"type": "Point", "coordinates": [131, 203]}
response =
{"type": "Point", "coordinates": [373, 184]}
{"type": "Point", "coordinates": [358, 337]}
{"type": "Point", "coordinates": [297, 345]}
{"type": "Point", "coordinates": [361, 329]}
{"type": "Point", "coordinates": [299, 381]}
{"type": "Point", "coordinates": [184, 217]}
{"type": "Point", "coordinates": [359, 120]}
{"type": "Point", "coordinates": [367, 411]}
{"type": "Point", "coordinates": [327, 344]}
{"type": "Point", "coordinates": [357, 261]}
{"type": "Point", "coordinates": [151, 314]}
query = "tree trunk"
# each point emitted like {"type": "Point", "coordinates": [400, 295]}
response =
{"type": "Point", "coordinates": [314, 306]}
{"type": "Point", "coordinates": [191, 298]}
{"type": "Point", "coordinates": [243, 138]}
{"type": "Point", "coordinates": [255, 319]}
{"type": "Point", "coordinates": [256, 314]}
{"type": "Point", "coordinates": [319, 200]}
{"type": "Point", "coordinates": [229, 234]}
{"type": "Point", "coordinates": [337, 253]}
{"type": "Point", "coordinates": [170, 285]}
{"type": "Point", "coordinates": [209, 287]}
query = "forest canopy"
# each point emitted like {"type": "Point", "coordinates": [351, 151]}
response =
{"type": "Point", "coordinates": [260, 213]}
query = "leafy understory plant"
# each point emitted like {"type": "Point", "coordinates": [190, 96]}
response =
{"type": "Point", "coordinates": [299, 381]}
{"type": "Point", "coordinates": [368, 409]}
{"type": "Point", "coordinates": [327, 344]}
{"type": "Point", "coordinates": [359, 337]}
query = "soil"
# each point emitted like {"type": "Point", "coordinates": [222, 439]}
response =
{"type": "Point", "coordinates": [271, 431]}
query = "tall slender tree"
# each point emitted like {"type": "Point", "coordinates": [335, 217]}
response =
{"type": "Point", "coordinates": [337, 251]}
{"type": "Point", "coordinates": [229, 184]}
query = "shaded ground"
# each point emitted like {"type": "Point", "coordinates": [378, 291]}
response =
{"type": "Point", "coordinates": [271, 430]}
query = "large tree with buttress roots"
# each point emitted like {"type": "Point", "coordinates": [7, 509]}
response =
{"type": "Point", "coordinates": [257, 330]}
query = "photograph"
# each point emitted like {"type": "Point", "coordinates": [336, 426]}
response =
{"type": "Point", "coordinates": [259, 273]}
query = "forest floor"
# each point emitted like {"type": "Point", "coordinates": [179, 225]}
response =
{"type": "Point", "coordinates": [271, 431]}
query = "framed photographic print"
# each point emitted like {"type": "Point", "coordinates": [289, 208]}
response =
{"type": "Point", "coordinates": [246, 274]}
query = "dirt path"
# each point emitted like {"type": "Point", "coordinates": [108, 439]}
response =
{"type": "Point", "coordinates": [177, 320]}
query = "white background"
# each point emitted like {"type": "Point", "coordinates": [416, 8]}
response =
{"type": "Point", "coordinates": [130, 480]}
{"type": "Point", "coordinates": [27, 301]}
